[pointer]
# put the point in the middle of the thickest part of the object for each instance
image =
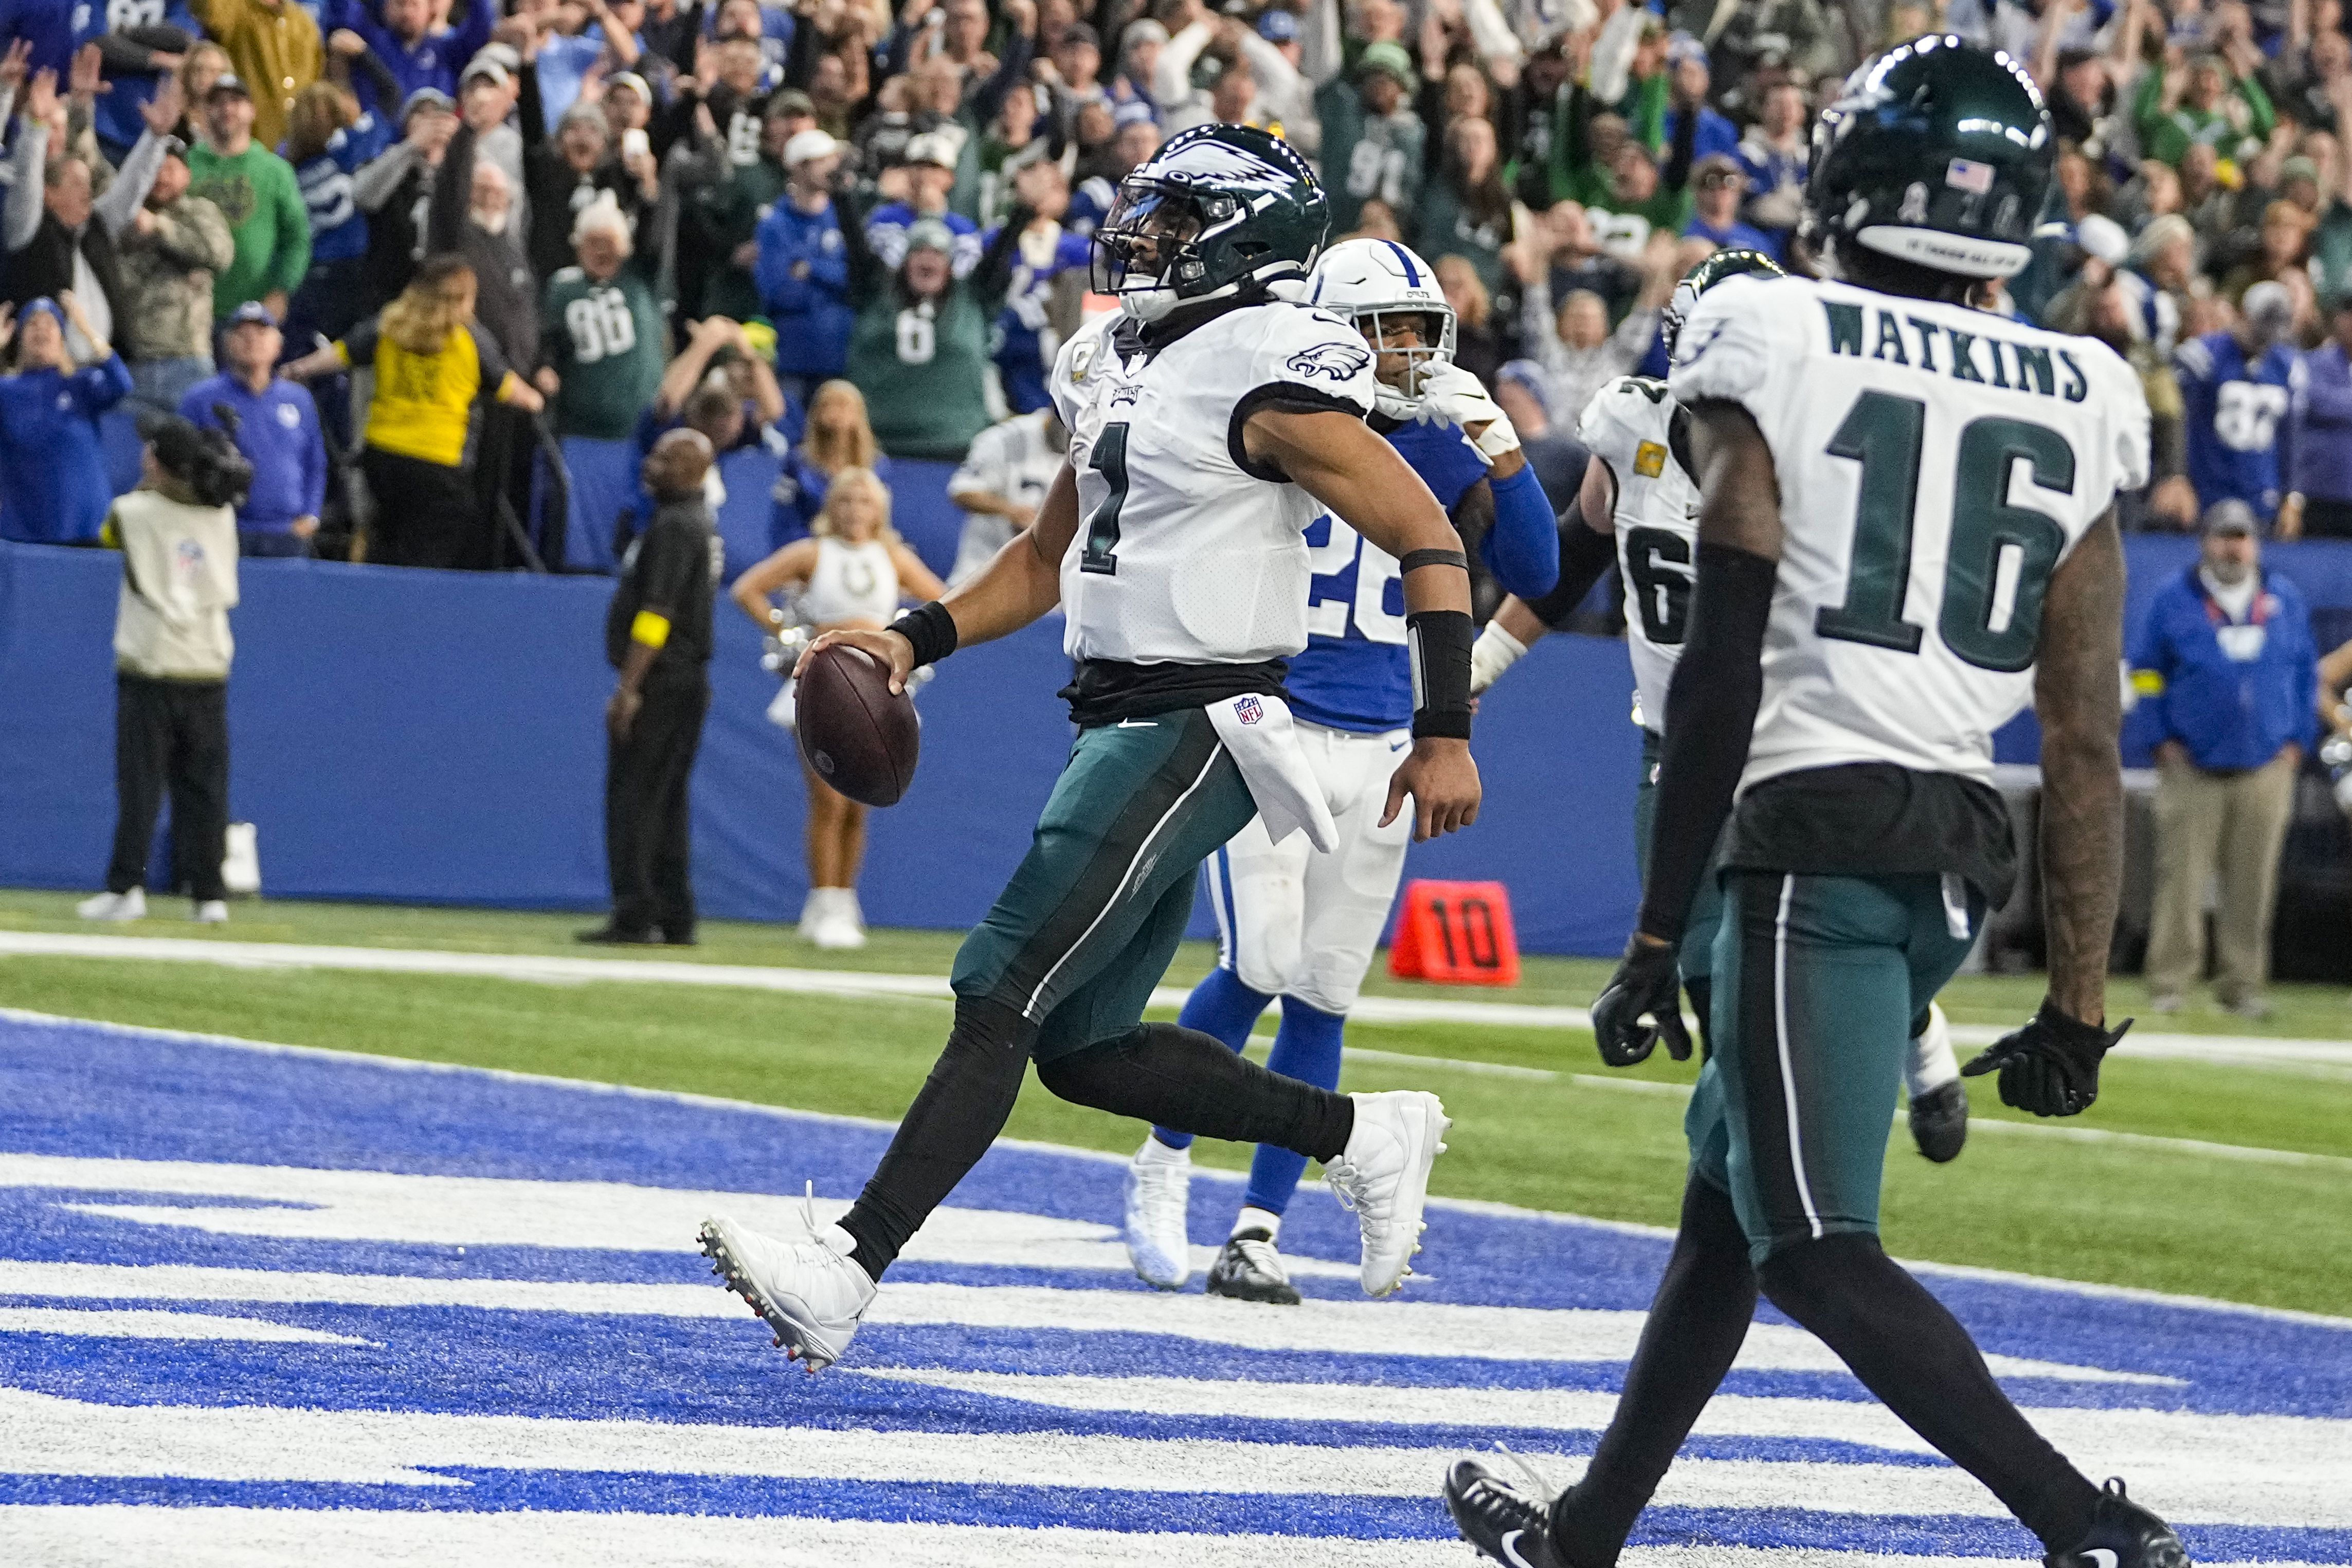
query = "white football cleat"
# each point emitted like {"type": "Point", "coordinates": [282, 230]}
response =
{"type": "Point", "coordinates": [1383, 1176]}
{"type": "Point", "coordinates": [810, 1290]}
{"type": "Point", "coordinates": [839, 926]}
{"type": "Point", "coordinates": [211, 912]}
{"type": "Point", "coordinates": [131, 905]}
{"type": "Point", "coordinates": [1159, 1190]}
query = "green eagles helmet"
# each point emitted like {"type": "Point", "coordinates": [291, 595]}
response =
{"type": "Point", "coordinates": [1218, 207]}
{"type": "Point", "coordinates": [1937, 153]}
{"type": "Point", "coordinates": [1717, 266]}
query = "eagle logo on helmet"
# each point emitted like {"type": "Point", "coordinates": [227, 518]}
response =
{"type": "Point", "coordinates": [1339, 362]}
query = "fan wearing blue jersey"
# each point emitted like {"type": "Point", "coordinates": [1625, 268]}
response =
{"type": "Point", "coordinates": [2233, 394]}
{"type": "Point", "coordinates": [1292, 921]}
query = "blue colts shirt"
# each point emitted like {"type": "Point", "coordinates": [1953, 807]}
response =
{"type": "Point", "coordinates": [1354, 673]}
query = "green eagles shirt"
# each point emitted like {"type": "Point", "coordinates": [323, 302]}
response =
{"type": "Point", "coordinates": [604, 340]}
{"type": "Point", "coordinates": [1365, 157]}
{"type": "Point", "coordinates": [922, 368]}
{"type": "Point", "coordinates": [257, 193]}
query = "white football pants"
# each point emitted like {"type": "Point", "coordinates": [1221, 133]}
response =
{"type": "Point", "coordinates": [1294, 923]}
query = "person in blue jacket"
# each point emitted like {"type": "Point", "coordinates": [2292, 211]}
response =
{"type": "Point", "coordinates": [276, 425]}
{"type": "Point", "coordinates": [803, 270]}
{"type": "Point", "coordinates": [2227, 678]}
{"type": "Point", "coordinates": [53, 481]}
{"type": "Point", "coordinates": [2234, 394]}
{"type": "Point", "coordinates": [401, 34]}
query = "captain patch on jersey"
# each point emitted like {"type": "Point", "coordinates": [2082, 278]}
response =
{"type": "Point", "coordinates": [1184, 552]}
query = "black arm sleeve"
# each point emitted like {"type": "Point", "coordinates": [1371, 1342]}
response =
{"type": "Point", "coordinates": [1679, 156]}
{"type": "Point", "coordinates": [531, 108]}
{"type": "Point", "coordinates": [1710, 717]}
{"type": "Point", "coordinates": [1585, 557]}
{"type": "Point", "coordinates": [867, 276]}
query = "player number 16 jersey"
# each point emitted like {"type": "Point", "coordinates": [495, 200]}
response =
{"type": "Point", "coordinates": [1936, 465]}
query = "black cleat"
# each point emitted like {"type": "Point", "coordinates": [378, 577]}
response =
{"type": "Point", "coordinates": [1498, 1519]}
{"type": "Point", "coordinates": [1249, 1269]}
{"type": "Point", "coordinates": [611, 935]}
{"type": "Point", "coordinates": [677, 936]}
{"type": "Point", "coordinates": [2123, 1535]}
{"type": "Point", "coordinates": [1940, 1121]}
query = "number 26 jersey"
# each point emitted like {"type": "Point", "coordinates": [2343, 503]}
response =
{"type": "Point", "coordinates": [1187, 552]}
{"type": "Point", "coordinates": [1936, 464]}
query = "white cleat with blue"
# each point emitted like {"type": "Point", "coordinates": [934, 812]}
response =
{"type": "Point", "coordinates": [809, 1291]}
{"type": "Point", "coordinates": [1159, 1193]}
{"type": "Point", "coordinates": [1383, 1175]}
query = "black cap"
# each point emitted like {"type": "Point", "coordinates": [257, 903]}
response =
{"type": "Point", "coordinates": [227, 82]}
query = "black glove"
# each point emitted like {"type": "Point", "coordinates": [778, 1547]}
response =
{"type": "Point", "coordinates": [2050, 1067]}
{"type": "Point", "coordinates": [1647, 983]}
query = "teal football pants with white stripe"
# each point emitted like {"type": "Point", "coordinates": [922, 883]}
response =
{"type": "Point", "coordinates": [1090, 920]}
{"type": "Point", "coordinates": [1817, 980]}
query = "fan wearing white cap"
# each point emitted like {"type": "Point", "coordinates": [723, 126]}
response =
{"type": "Point", "coordinates": [1292, 922]}
{"type": "Point", "coordinates": [802, 269]}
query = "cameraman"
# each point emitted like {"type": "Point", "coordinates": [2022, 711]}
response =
{"type": "Point", "coordinates": [177, 533]}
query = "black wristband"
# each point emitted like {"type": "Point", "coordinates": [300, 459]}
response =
{"type": "Point", "coordinates": [1438, 646]}
{"type": "Point", "coordinates": [930, 628]}
{"type": "Point", "coordinates": [1414, 560]}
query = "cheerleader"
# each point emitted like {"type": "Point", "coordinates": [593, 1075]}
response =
{"type": "Point", "coordinates": [852, 572]}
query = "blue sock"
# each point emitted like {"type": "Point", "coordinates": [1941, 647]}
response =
{"type": "Point", "coordinates": [1221, 1007]}
{"type": "Point", "coordinates": [1306, 1048]}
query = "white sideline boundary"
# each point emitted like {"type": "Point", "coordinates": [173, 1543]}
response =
{"type": "Point", "coordinates": [2218, 1050]}
{"type": "Point", "coordinates": [1233, 1179]}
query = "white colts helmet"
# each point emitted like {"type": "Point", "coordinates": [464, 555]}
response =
{"type": "Point", "coordinates": [1364, 279]}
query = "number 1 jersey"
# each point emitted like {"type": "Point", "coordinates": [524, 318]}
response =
{"type": "Point", "coordinates": [1936, 465]}
{"type": "Point", "coordinates": [1187, 551]}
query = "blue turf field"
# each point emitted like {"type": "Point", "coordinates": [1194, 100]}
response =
{"type": "Point", "coordinates": [252, 1296]}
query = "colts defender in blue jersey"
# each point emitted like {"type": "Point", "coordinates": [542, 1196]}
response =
{"type": "Point", "coordinates": [1293, 922]}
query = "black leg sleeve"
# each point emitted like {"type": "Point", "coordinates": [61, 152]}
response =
{"type": "Point", "coordinates": [963, 1106]}
{"type": "Point", "coordinates": [1698, 1323]}
{"type": "Point", "coordinates": [1193, 1083]}
{"type": "Point", "coordinates": [1911, 1353]}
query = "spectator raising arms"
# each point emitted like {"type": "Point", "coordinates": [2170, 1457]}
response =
{"type": "Point", "coordinates": [61, 237]}
{"type": "Point", "coordinates": [328, 140]}
{"type": "Point", "coordinates": [2233, 389]}
{"type": "Point", "coordinates": [53, 485]}
{"type": "Point", "coordinates": [919, 350]}
{"type": "Point", "coordinates": [432, 364]}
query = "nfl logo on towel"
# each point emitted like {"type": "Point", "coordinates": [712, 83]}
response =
{"type": "Point", "coordinates": [1249, 710]}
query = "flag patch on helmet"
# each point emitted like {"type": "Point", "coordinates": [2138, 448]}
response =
{"type": "Point", "coordinates": [1974, 178]}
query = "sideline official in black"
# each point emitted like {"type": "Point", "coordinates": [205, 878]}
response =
{"type": "Point", "coordinates": [657, 636]}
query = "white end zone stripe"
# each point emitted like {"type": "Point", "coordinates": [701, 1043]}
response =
{"type": "Point", "coordinates": [1361, 1328]}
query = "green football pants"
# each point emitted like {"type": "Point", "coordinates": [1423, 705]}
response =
{"type": "Point", "coordinates": [1087, 927]}
{"type": "Point", "coordinates": [1817, 980]}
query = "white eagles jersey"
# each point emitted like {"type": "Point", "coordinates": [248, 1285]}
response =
{"type": "Point", "coordinates": [1629, 425]}
{"type": "Point", "coordinates": [1936, 465]}
{"type": "Point", "coordinates": [1183, 554]}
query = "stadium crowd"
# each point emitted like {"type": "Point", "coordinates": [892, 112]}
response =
{"type": "Point", "coordinates": [600, 218]}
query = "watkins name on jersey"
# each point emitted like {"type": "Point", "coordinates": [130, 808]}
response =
{"type": "Point", "coordinates": [1924, 504]}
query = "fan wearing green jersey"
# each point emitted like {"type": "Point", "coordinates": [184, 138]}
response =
{"type": "Point", "coordinates": [600, 331]}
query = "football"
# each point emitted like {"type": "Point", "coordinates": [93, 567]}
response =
{"type": "Point", "coordinates": [860, 738]}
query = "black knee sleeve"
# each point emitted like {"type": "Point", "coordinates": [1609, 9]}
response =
{"type": "Point", "coordinates": [963, 1106]}
{"type": "Point", "coordinates": [1193, 1083]}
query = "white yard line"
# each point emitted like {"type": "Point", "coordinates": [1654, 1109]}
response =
{"type": "Point", "coordinates": [552, 969]}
